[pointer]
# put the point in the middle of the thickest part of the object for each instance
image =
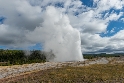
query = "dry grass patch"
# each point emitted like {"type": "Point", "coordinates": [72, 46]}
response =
{"type": "Point", "coordinates": [88, 74]}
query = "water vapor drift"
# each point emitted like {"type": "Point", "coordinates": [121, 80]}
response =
{"type": "Point", "coordinates": [57, 35]}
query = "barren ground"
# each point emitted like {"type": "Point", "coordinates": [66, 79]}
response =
{"type": "Point", "coordinates": [9, 73]}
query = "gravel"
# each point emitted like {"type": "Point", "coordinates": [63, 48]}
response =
{"type": "Point", "coordinates": [11, 71]}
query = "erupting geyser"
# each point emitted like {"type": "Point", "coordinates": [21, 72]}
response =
{"type": "Point", "coordinates": [57, 35]}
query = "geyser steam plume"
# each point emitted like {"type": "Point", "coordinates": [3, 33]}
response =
{"type": "Point", "coordinates": [57, 35]}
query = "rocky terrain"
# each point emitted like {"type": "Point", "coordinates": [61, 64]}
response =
{"type": "Point", "coordinates": [12, 71]}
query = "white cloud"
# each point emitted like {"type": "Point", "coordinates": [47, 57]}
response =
{"type": "Point", "coordinates": [122, 19]}
{"type": "Point", "coordinates": [119, 35]}
{"type": "Point", "coordinates": [114, 16]}
{"type": "Point", "coordinates": [28, 11]}
{"type": "Point", "coordinates": [113, 30]}
{"type": "Point", "coordinates": [104, 5]}
{"type": "Point", "coordinates": [25, 16]}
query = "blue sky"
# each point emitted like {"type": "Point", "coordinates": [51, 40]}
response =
{"type": "Point", "coordinates": [113, 25]}
{"type": "Point", "coordinates": [100, 22]}
{"type": "Point", "coordinates": [88, 3]}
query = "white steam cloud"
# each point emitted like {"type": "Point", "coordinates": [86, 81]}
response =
{"type": "Point", "coordinates": [58, 36]}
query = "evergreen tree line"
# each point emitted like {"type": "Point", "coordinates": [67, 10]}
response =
{"type": "Point", "coordinates": [15, 57]}
{"type": "Point", "coordinates": [91, 56]}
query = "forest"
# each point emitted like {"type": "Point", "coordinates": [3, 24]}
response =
{"type": "Point", "coordinates": [16, 57]}
{"type": "Point", "coordinates": [19, 57]}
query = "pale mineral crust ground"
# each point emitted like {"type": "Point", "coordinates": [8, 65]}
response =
{"type": "Point", "coordinates": [16, 70]}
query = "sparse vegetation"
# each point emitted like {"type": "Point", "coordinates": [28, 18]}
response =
{"type": "Point", "coordinates": [106, 73]}
{"type": "Point", "coordinates": [97, 73]}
